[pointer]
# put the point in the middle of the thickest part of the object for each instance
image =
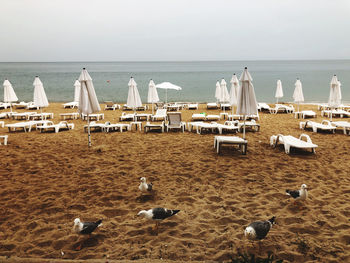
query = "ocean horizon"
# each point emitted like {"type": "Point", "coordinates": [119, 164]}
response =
{"type": "Point", "coordinates": [197, 78]}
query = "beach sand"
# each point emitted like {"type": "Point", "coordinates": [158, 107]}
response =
{"type": "Point", "coordinates": [49, 179]}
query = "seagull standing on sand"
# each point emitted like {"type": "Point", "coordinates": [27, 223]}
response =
{"type": "Point", "coordinates": [298, 194]}
{"type": "Point", "coordinates": [157, 214]}
{"type": "Point", "coordinates": [85, 228]}
{"type": "Point", "coordinates": [144, 186]}
{"type": "Point", "coordinates": [259, 229]}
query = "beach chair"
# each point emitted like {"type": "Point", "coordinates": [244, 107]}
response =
{"type": "Point", "coordinates": [249, 125]}
{"type": "Point", "coordinates": [344, 125]}
{"type": "Point", "coordinates": [25, 126]}
{"type": "Point", "coordinates": [159, 105]}
{"type": "Point", "coordinates": [192, 106]}
{"type": "Point", "coordinates": [110, 105]}
{"type": "Point", "coordinates": [174, 122]}
{"type": "Point", "coordinates": [335, 113]}
{"type": "Point", "coordinates": [201, 127]}
{"type": "Point", "coordinates": [50, 126]}
{"type": "Point", "coordinates": [154, 127]}
{"type": "Point", "coordinates": [109, 127]}
{"type": "Point", "coordinates": [212, 117]}
{"type": "Point", "coordinates": [219, 141]}
{"type": "Point", "coordinates": [262, 106]}
{"type": "Point", "coordinates": [280, 108]}
{"type": "Point", "coordinates": [160, 115]}
{"type": "Point", "coordinates": [228, 126]}
{"type": "Point", "coordinates": [71, 105]}
{"type": "Point", "coordinates": [198, 116]}
{"type": "Point", "coordinates": [290, 141]}
{"type": "Point", "coordinates": [127, 116]}
{"type": "Point", "coordinates": [305, 114]}
{"type": "Point", "coordinates": [94, 126]}
{"type": "Point", "coordinates": [4, 105]}
{"type": "Point", "coordinates": [21, 105]}
{"type": "Point", "coordinates": [325, 125]}
{"type": "Point", "coordinates": [212, 106]}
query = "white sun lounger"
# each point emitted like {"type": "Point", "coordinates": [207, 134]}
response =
{"type": "Point", "coordinates": [109, 127]}
{"type": "Point", "coordinates": [304, 114]}
{"type": "Point", "coordinates": [192, 106]}
{"type": "Point", "coordinates": [62, 125]}
{"type": "Point", "coordinates": [212, 105]}
{"type": "Point", "coordinates": [160, 115]}
{"type": "Point", "coordinates": [230, 126]}
{"type": "Point", "coordinates": [94, 126]}
{"type": "Point", "coordinates": [335, 113]}
{"type": "Point", "coordinates": [325, 125]}
{"type": "Point", "coordinates": [212, 117]}
{"type": "Point", "coordinates": [198, 117]}
{"type": "Point", "coordinates": [25, 126]}
{"type": "Point", "coordinates": [262, 106]}
{"type": "Point", "coordinates": [343, 125]}
{"type": "Point", "coordinates": [289, 141]}
{"type": "Point", "coordinates": [154, 127]}
{"type": "Point", "coordinates": [282, 108]}
{"type": "Point", "coordinates": [71, 105]}
{"type": "Point", "coordinates": [230, 140]}
{"type": "Point", "coordinates": [127, 117]}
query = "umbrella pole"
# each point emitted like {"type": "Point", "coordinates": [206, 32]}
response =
{"type": "Point", "coordinates": [89, 136]}
{"type": "Point", "coordinates": [166, 96]}
{"type": "Point", "coordinates": [331, 113]}
{"type": "Point", "coordinates": [243, 127]}
{"type": "Point", "coordinates": [152, 108]}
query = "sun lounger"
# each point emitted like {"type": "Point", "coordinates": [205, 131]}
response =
{"type": "Point", "coordinates": [249, 125]}
{"type": "Point", "coordinates": [262, 106]}
{"type": "Point", "coordinates": [22, 115]}
{"type": "Point", "coordinates": [212, 117]}
{"type": "Point", "coordinates": [219, 141]}
{"type": "Point", "coordinates": [71, 105]}
{"type": "Point", "coordinates": [95, 116]}
{"type": "Point", "coordinates": [50, 126]}
{"type": "Point", "coordinates": [225, 106]}
{"type": "Point", "coordinates": [41, 116]}
{"type": "Point", "coordinates": [110, 105]}
{"type": "Point", "coordinates": [126, 107]}
{"type": "Point", "coordinates": [21, 105]}
{"type": "Point", "coordinates": [94, 126]}
{"type": "Point", "coordinates": [343, 125]}
{"type": "Point", "coordinates": [304, 114]}
{"type": "Point", "coordinates": [173, 107]}
{"type": "Point", "coordinates": [192, 106]}
{"type": "Point", "coordinates": [160, 115]}
{"type": "Point", "coordinates": [174, 122]}
{"type": "Point", "coordinates": [25, 126]}
{"type": "Point", "coordinates": [235, 117]}
{"type": "Point", "coordinates": [4, 139]}
{"type": "Point", "coordinates": [198, 117]}
{"type": "Point", "coordinates": [110, 127]}
{"type": "Point", "coordinates": [335, 113]}
{"type": "Point", "coordinates": [325, 125]}
{"type": "Point", "coordinates": [69, 116]}
{"type": "Point", "coordinates": [229, 126]}
{"type": "Point", "coordinates": [204, 126]}
{"type": "Point", "coordinates": [142, 116]}
{"type": "Point", "coordinates": [290, 141]}
{"type": "Point", "coordinates": [212, 106]}
{"type": "Point", "coordinates": [32, 106]}
{"type": "Point", "coordinates": [282, 108]}
{"type": "Point", "coordinates": [127, 117]}
{"type": "Point", "coordinates": [154, 127]}
{"type": "Point", "coordinates": [5, 105]}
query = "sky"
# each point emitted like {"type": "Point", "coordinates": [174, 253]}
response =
{"type": "Point", "coordinates": [173, 30]}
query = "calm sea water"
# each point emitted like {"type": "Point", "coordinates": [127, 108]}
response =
{"type": "Point", "coordinates": [196, 78]}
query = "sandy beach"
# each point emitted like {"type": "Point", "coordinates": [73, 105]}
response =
{"type": "Point", "coordinates": [48, 179]}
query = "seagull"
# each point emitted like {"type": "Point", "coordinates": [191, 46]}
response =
{"type": "Point", "coordinates": [144, 186]}
{"type": "Point", "coordinates": [157, 214]}
{"type": "Point", "coordinates": [85, 228]}
{"type": "Point", "coordinates": [298, 194]}
{"type": "Point", "coordinates": [259, 229]}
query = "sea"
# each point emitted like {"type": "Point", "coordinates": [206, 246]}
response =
{"type": "Point", "coordinates": [197, 78]}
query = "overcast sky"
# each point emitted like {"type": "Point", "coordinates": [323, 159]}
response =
{"type": "Point", "coordinates": [180, 30]}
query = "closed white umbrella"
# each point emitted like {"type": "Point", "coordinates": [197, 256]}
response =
{"type": "Point", "coordinates": [233, 92]}
{"type": "Point", "coordinates": [40, 99]}
{"type": "Point", "coordinates": [166, 86]}
{"type": "Point", "coordinates": [77, 87]}
{"type": "Point", "coordinates": [298, 95]}
{"type": "Point", "coordinates": [246, 100]}
{"type": "Point", "coordinates": [152, 94]}
{"type": "Point", "coordinates": [334, 99]}
{"type": "Point", "coordinates": [134, 100]}
{"type": "Point", "coordinates": [9, 93]}
{"type": "Point", "coordinates": [217, 91]}
{"type": "Point", "coordinates": [279, 90]}
{"type": "Point", "coordinates": [88, 102]}
{"type": "Point", "coordinates": [224, 95]}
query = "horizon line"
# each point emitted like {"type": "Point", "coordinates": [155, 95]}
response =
{"type": "Point", "coordinates": [159, 61]}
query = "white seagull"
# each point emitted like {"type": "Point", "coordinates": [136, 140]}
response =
{"type": "Point", "coordinates": [298, 194]}
{"type": "Point", "coordinates": [158, 214]}
{"type": "Point", "coordinates": [85, 228]}
{"type": "Point", "coordinates": [144, 186]}
{"type": "Point", "coordinates": [259, 229]}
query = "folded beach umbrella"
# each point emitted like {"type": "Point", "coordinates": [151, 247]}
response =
{"type": "Point", "coordinates": [298, 93]}
{"type": "Point", "coordinates": [233, 92]}
{"type": "Point", "coordinates": [88, 102]}
{"type": "Point", "coordinates": [246, 100]}
{"type": "Point", "coordinates": [152, 94]}
{"type": "Point", "coordinates": [9, 93]}
{"type": "Point", "coordinates": [134, 99]}
{"type": "Point", "coordinates": [279, 90]}
{"type": "Point", "coordinates": [166, 86]}
{"type": "Point", "coordinates": [224, 95]}
{"type": "Point", "coordinates": [77, 87]}
{"type": "Point", "coordinates": [334, 99]}
{"type": "Point", "coordinates": [217, 91]}
{"type": "Point", "coordinates": [40, 99]}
